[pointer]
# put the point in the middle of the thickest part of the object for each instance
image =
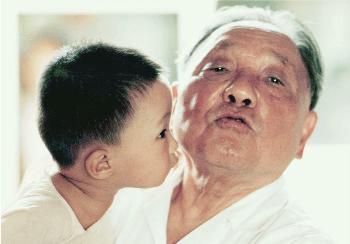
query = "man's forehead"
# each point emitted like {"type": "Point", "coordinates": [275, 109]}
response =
{"type": "Point", "coordinates": [249, 36]}
{"type": "Point", "coordinates": [224, 47]}
{"type": "Point", "coordinates": [230, 36]}
{"type": "Point", "coordinates": [256, 43]}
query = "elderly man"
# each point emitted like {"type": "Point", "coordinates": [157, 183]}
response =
{"type": "Point", "coordinates": [243, 111]}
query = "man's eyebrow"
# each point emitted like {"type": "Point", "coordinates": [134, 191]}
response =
{"type": "Point", "coordinates": [224, 45]}
{"type": "Point", "coordinates": [163, 117]}
{"type": "Point", "coordinates": [284, 60]}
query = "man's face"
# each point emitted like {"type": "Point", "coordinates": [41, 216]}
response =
{"type": "Point", "coordinates": [244, 105]}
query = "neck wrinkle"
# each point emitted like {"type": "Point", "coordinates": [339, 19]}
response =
{"type": "Point", "coordinates": [94, 193]}
{"type": "Point", "coordinates": [209, 192]}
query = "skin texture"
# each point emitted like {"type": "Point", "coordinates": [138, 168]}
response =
{"type": "Point", "coordinates": [147, 147]}
{"type": "Point", "coordinates": [248, 75]}
{"type": "Point", "coordinates": [142, 159]}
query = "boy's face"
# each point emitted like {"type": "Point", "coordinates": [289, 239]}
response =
{"type": "Point", "coordinates": [146, 149]}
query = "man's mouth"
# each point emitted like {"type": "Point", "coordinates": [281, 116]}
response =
{"type": "Point", "coordinates": [232, 122]}
{"type": "Point", "coordinates": [237, 119]}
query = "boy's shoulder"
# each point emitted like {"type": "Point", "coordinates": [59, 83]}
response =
{"type": "Point", "coordinates": [37, 196]}
{"type": "Point", "coordinates": [133, 197]}
{"type": "Point", "coordinates": [38, 214]}
{"type": "Point", "coordinates": [133, 200]}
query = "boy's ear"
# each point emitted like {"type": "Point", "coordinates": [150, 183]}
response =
{"type": "Point", "coordinates": [97, 164]}
{"type": "Point", "coordinates": [309, 126]}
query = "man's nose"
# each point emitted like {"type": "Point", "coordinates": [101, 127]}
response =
{"type": "Point", "coordinates": [241, 93]}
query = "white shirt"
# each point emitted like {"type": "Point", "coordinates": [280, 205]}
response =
{"type": "Point", "coordinates": [265, 216]}
{"type": "Point", "coordinates": [41, 215]}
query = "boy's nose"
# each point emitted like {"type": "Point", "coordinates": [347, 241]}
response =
{"type": "Point", "coordinates": [173, 153]}
{"type": "Point", "coordinates": [172, 143]}
{"type": "Point", "coordinates": [172, 150]}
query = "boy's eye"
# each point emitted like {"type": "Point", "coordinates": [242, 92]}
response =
{"type": "Point", "coordinates": [162, 134]}
{"type": "Point", "coordinates": [275, 80]}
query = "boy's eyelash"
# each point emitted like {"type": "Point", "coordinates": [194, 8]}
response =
{"type": "Point", "coordinates": [162, 134]}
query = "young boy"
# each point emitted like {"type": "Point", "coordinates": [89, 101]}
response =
{"type": "Point", "coordinates": [104, 116]}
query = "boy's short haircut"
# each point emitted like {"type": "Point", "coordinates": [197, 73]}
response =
{"type": "Point", "coordinates": [87, 96]}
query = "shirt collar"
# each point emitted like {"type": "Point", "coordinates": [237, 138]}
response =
{"type": "Point", "coordinates": [249, 213]}
{"type": "Point", "coordinates": [156, 208]}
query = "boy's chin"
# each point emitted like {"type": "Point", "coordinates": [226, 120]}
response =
{"type": "Point", "coordinates": [156, 181]}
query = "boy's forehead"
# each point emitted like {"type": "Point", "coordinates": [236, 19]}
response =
{"type": "Point", "coordinates": [157, 97]}
{"type": "Point", "coordinates": [150, 111]}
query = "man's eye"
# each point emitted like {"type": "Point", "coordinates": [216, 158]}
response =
{"type": "Point", "coordinates": [162, 134]}
{"type": "Point", "coordinates": [218, 69]}
{"type": "Point", "coordinates": [275, 80]}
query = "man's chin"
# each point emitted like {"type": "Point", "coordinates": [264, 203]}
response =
{"type": "Point", "coordinates": [232, 159]}
{"type": "Point", "coordinates": [218, 160]}
{"type": "Point", "coordinates": [221, 150]}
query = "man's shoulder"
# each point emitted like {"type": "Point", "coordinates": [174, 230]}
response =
{"type": "Point", "coordinates": [293, 225]}
{"type": "Point", "coordinates": [295, 234]}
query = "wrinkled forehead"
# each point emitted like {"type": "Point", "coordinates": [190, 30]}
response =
{"type": "Point", "coordinates": [219, 35]}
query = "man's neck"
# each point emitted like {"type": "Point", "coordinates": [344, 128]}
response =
{"type": "Point", "coordinates": [89, 202]}
{"type": "Point", "coordinates": [202, 194]}
{"type": "Point", "coordinates": [209, 193]}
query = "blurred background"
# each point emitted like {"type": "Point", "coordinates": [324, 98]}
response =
{"type": "Point", "coordinates": [34, 30]}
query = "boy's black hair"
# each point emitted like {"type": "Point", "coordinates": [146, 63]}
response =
{"type": "Point", "coordinates": [86, 96]}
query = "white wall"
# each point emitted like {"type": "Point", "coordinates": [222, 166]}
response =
{"type": "Point", "coordinates": [320, 183]}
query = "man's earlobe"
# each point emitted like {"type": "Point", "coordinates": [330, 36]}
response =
{"type": "Point", "coordinates": [308, 128]}
{"type": "Point", "coordinates": [97, 164]}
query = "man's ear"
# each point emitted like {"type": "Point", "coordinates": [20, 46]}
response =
{"type": "Point", "coordinates": [308, 128]}
{"type": "Point", "coordinates": [97, 164]}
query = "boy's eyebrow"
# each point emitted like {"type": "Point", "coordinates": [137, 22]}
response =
{"type": "Point", "coordinates": [164, 116]}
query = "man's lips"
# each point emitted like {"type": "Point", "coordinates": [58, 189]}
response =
{"type": "Point", "coordinates": [230, 120]}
